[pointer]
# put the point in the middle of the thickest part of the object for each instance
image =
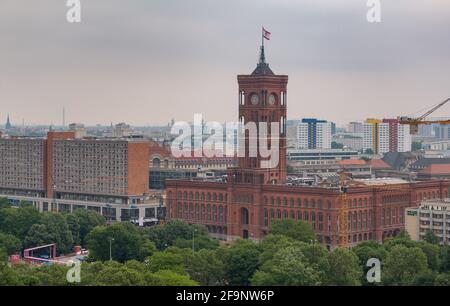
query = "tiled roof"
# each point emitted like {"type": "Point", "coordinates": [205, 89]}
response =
{"type": "Point", "coordinates": [436, 169]}
{"type": "Point", "coordinates": [379, 164]}
{"type": "Point", "coordinates": [351, 162]}
{"type": "Point", "coordinates": [425, 162]}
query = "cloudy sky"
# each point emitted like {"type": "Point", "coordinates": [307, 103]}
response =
{"type": "Point", "coordinates": [148, 61]}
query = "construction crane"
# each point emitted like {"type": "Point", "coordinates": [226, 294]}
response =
{"type": "Point", "coordinates": [343, 213]}
{"type": "Point", "coordinates": [415, 122]}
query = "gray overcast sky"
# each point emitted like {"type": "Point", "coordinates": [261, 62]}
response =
{"type": "Point", "coordinates": [146, 62]}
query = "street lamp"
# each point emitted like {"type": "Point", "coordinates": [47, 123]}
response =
{"type": "Point", "coordinates": [110, 244]}
{"type": "Point", "coordinates": [313, 242]}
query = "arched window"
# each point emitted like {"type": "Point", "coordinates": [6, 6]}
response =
{"type": "Point", "coordinates": [156, 162]}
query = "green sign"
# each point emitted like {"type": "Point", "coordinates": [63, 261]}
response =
{"type": "Point", "coordinates": [412, 213]}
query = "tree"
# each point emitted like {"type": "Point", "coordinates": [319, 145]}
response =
{"type": "Point", "coordinates": [9, 276]}
{"type": "Point", "coordinates": [298, 230]}
{"type": "Point", "coordinates": [290, 169]}
{"type": "Point", "coordinates": [444, 258]}
{"type": "Point", "coordinates": [335, 145]}
{"type": "Point", "coordinates": [369, 152]}
{"type": "Point", "coordinates": [10, 243]}
{"type": "Point", "coordinates": [205, 267]}
{"type": "Point", "coordinates": [3, 255]}
{"type": "Point", "coordinates": [432, 252]}
{"type": "Point", "coordinates": [165, 235]}
{"type": "Point", "coordinates": [17, 221]}
{"type": "Point", "coordinates": [125, 239]}
{"type": "Point", "coordinates": [116, 274]}
{"type": "Point", "coordinates": [166, 261]}
{"type": "Point", "coordinates": [240, 261]}
{"type": "Point", "coordinates": [389, 243]}
{"type": "Point", "coordinates": [272, 244]}
{"type": "Point", "coordinates": [426, 278]}
{"type": "Point", "coordinates": [52, 275]}
{"type": "Point", "coordinates": [51, 228]}
{"type": "Point", "coordinates": [87, 220]}
{"type": "Point", "coordinates": [74, 227]}
{"type": "Point", "coordinates": [201, 242]}
{"type": "Point", "coordinates": [402, 264]}
{"type": "Point", "coordinates": [442, 279]}
{"type": "Point", "coordinates": [4, 203]}
{"type": "Point", "coordinates": [430, 237]}
{"type": "Point", "coordinates": [289, 267]}
{"type": "Point", "coordinates": [169, 278]}
{"type": "Point", "coordinates": [416, 145]}
{"type": "Point", "coordinates": [367, 250]}
{"type": "Point", "coordinates": [343, 269]}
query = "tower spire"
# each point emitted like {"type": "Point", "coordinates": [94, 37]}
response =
{"type": "Point", "coordinates": [8, 123]}
{"type": "Point", "coordinates": [262, 67]}
{"type": "Point", "coordinates": [262, 56]}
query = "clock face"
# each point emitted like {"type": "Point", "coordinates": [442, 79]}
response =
{"type": "Point", "coordinates": [254, 99]}
{"type": "Point", "coordinates": [272, 99]}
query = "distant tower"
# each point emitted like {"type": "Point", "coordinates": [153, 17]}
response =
{"type": "Point", "coordinates": [8, 125]}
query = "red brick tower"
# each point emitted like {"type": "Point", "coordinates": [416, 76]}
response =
{"type": "Point", "coordinates": [262, 98]}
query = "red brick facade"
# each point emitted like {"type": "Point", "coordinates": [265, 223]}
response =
{"type": "Point", "coordinates": [246, 210]}
{"type": "Point", "coordinates": [253, 197]}
{"type": "Point", "coordinates": [138, 167]}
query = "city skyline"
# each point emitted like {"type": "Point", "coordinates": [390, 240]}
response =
{"type": "Point", "coordinates": [118, 66]}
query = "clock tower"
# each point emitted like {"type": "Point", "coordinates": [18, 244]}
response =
{"type": "Point", "coordinates": [262, 99]}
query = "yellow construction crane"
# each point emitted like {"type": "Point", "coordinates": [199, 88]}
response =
{"type": "Point", "coordinates": [343, 213]}
{"type": "Point", "coordinates": [415, 122]}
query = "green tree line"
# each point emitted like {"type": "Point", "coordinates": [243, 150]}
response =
{"type": "Point", "coordinates": [180, 254]}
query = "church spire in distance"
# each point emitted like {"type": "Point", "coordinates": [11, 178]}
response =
{"type": "Point", "coordinates": [8, 123]}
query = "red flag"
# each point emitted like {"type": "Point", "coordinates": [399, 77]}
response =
{"type": "Point", "coordinates": [266, 34]}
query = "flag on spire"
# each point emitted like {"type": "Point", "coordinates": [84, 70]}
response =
{"type": "Point", "coordinates": [266, 34]}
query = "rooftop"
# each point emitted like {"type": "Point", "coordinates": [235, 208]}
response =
{"type": "Point", "coordinates": [381, 181]}
{"type": "Point", "coordinates": [436, 169]}
{"type": "Point", "coordinates": [262, 68]}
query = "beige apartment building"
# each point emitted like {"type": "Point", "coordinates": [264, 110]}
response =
{"type": "Point", "coordinates": [430, 215]}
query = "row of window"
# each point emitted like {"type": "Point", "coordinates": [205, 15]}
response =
{"type": "Point", "coordinates": [200, 196]}
{"type": "Point", "coordinates": [201, 212]}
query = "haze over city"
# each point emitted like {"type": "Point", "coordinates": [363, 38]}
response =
{"type": "Point", "coordinates": [148, 62]}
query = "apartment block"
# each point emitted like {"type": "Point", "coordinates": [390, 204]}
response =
{"type": "Point", "coordinates": [376, 136]}
{"type": "Point", "coordinates": [431, 215]}
{"type": "Point", "coordinates": [313, 134]}
{"type": "Point", "coordinates": [387, 135]}
{"type": "Point", "coordinates": [22, 166]}
{"type": "Point", "coordinates": [63, 173]}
